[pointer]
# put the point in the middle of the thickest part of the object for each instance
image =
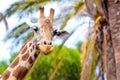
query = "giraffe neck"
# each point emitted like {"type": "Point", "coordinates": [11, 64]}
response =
{"type": "Point", "coordinates": [22, 63]}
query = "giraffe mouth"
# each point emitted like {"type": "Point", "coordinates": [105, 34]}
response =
{"type": "Point", "coordinates": [46, 49]}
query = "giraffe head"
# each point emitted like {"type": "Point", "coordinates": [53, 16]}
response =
{"type": "Point", "coordinates": [44, 31]}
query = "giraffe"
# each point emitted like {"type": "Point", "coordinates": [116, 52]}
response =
{"type": "Point", "coordinates": [41, 42]}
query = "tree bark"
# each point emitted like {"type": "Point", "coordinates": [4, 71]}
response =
{"type": "Point", "coordinates": [108, 36]}
{"type": "Point", "coordinates": [108, 46]}
{"type": "Point", "coordinates": [106, 52]}
{"type": "Point", "coordinates": [114, 23]}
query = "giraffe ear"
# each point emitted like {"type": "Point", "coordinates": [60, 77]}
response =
{"type": "Point", "coordinates": [61, 33]}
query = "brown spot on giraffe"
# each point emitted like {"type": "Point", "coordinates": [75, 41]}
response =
{"type": "Point", "coordinates": [35, 55]}
{"type": "Point", "coordinates": [24, 48]}
{"type": "Point", "coordinates": [33, 47]}
{"type": "Point", "coordinates": [37, 48]}
{"type": "Point", "coordinates": [15, 62]}
{"type": "Point", "coordinates": [20, 72]}
{"type": "Point", "coordinates": [30, 60]}
{"type": "Point", "coordinates": [6, 75]}
{"type": "Point", "coordinates": [25, 56]}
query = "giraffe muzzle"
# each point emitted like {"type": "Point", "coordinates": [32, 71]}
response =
{"type": "Point", "coordinates": [46, 49]}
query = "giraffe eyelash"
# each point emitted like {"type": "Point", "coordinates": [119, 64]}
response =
{"type": "Point", "coordinates": [35, 28]}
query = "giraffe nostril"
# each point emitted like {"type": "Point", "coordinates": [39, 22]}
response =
{"type": "Point", "coordinates": [45, 43]}
{"type": "Point", "coordinates": [50, 43]}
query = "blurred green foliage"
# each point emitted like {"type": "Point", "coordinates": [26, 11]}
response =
{"type": "Point", "coordinates": [3, 66]}
{"type": "Point", "coordinates": [45, 65]}
{"type": "Point", "coordinates": [4, 63]}
{"type": "Point", "coordinates": [78, 45]}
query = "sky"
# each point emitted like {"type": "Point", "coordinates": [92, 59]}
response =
{"type": "Point", "coordinates": [4, 52]}
{"type": "Point", "coordinates": [12, 22]}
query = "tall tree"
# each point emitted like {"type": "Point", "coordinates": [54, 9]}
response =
{"type": "Point", "coordinates": [106, 14]}
{"type": "Point", "coordinates": [113, 8]}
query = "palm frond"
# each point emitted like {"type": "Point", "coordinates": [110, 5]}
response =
{"type": "Point", "coordinates": [71, 13]}
{"type": "Point", "coordinates": [78, 6]}
{"type": "Point", "coordinates": [89, 54]}
{"type": "Point", "coordinates": [67, 18]}
{"type": "Point", "coordinates": [56, 69]}
{"type": "Point", "coordinates": [2, 18]}
{"type": "Point", "coordinates": [17, 31]}
{"type": "Point", "coordinates": [89, 59]}
{"type": "Point", "coordinates": [27, 6]}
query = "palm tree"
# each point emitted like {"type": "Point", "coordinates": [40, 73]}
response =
{"type": "Point", "coordinates": [106, 37]}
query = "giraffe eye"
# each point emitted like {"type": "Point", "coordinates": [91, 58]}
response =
{"type": "Point", "coordinates": [35, 28]}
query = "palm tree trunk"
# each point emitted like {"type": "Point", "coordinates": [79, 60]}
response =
{"type": "Point", "coordinates": [106, 51]}
{"type": "Point", "coordinates": [107, 36]}
{"type": "Point", "coordinates": [110, 50]}
{"type": "Point", "coordinates": [114, 23]}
